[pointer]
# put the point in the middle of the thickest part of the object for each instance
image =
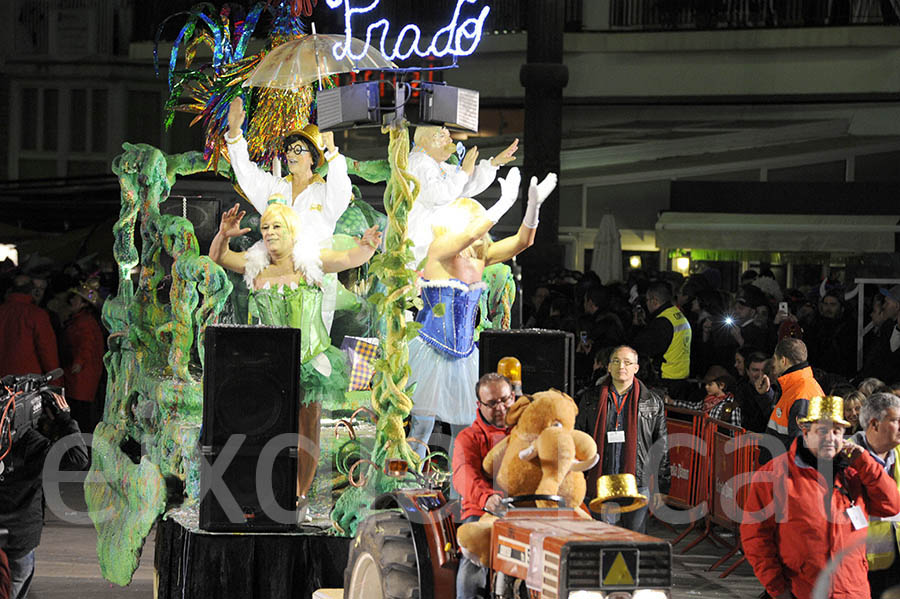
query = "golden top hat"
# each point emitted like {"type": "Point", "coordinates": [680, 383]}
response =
{"type": "Point", "coordinates": [511, 368]}
{"type": "Point", "coordinates": [90, 291]}
{"type": "Point", "coordinates": [621, 491]}
{"type": "Point", "coordinates": [311, 134]}
{"type": "Point", "coordinates": [830, 408]}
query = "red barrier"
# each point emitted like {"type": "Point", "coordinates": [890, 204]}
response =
{"type": "Point", "coordinates": [684, 460]}
{"type": "Point", "coordinates": [715, 476]}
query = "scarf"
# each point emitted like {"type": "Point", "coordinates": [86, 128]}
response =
{"type": "Point", "coordinates": [631, 417]}
{"type": "Point", "coordinates": [712, 401]}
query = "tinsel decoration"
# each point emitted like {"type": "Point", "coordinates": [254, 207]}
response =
{"type": "Point", "coordinates": [276, 113]}
{"type": "Point", "coordinates": [207, 90]}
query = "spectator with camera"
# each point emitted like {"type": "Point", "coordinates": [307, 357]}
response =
{"type": "Point", "coordinates": [21, 485]}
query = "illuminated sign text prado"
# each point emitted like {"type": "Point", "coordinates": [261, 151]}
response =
{"type": "Point", "coordinates": [457, 38]}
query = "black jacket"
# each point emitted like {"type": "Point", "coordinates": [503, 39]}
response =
{"type": "Point", "coordinates": [21, 484]}
{"type": "Point", "coordinates": [651, 428]}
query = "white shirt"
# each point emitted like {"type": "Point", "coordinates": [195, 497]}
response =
{"type": "Point", "coordinates": [439, 184]}
{"type": "Point", "coordinates": [319, 206]}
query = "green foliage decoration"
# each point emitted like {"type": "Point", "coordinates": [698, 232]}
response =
{"type": "Point", "coordinates": [154, 395]}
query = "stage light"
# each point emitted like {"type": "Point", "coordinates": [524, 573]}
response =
{"type": "Point", "coordinates": [349, 106]}
{"type": "Point", "coordinates": [361, 105]}
{"type": "Point", "coordinates": [634, 261]}
{"type": "Point", "coordinates": [682, 264]}
{"type": "Point", "coordinates": [452, 107]}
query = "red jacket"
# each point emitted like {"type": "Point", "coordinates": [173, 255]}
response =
{"type": "Point", "coordinates": [472, 444]}
{"type": "Point", "coordinates": [83, 339]}
{"type": "Point", "coordinates": [27, 340]}
{"type": "Point", "coordinates": [791, 539]}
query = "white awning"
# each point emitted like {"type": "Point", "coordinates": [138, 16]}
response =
{"type": "Point", "coordinates": [777, 232]}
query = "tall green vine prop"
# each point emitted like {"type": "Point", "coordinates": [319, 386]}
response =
{"type": "Point", "coordinates": [151, 422]}
{"type": "Point", "coordinates": [390, 393]}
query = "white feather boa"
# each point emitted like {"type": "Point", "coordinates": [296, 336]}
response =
{"type": "Point", "coordinates": [305, 255]}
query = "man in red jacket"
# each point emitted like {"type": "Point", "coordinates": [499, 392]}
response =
{"type": "Point", "coordinates": [27, 340]}
{"type": "Point", "coordinates": [811, 505]}
{"type": "Point", "coordinates": [495, 396]}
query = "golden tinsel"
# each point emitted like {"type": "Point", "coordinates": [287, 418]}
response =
{"type": "Point", "coordinates": [277, 112]}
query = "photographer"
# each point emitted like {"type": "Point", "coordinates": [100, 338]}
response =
{"type": "Point", "coordinates": [21, 487]}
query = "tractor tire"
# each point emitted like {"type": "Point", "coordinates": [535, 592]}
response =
{"type": "Point", "coordinates": [382, 562]}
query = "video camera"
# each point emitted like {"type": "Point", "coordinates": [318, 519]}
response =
{"type": "Point", "coordinates": [22, 400]}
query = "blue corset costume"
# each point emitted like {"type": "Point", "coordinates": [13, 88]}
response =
{"type": "Point", "coordinates": [448, 316]}
{"type": "Point", "coordinates": [443, 360]}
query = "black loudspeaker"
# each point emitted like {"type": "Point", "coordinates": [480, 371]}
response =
{"type": "Point", "coordinates": [203, 212]}
{"type": "Point", "coordinates": [547, 357]}
{"type": "Point", "coordinates": [251, 387]}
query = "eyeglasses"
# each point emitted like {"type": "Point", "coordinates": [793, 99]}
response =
{"type": "Point", "coordinates": [617, 362]}
{"type": "Point", "coordinates": [493, 405]}
{"type": "Point", "coordinates": [297, 149]}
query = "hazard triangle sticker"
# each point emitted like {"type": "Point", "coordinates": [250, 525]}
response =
{"type": "Point", "coordinates": [620, 568]}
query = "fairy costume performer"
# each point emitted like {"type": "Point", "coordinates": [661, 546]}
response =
{"type": "Point", "coordinates": [318, 202]}
{"type": "Point", "coordinates": [443, 359]}
{"type": "Point", "coordinates": [284, 273]}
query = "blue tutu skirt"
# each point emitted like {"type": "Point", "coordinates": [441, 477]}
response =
{"type": "Point", "coordinates": [445, 385]}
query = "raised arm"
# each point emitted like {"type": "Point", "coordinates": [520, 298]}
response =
{"type": "Point", "coordinates": [336, 261]}
{"type": "Point", "coordinates": [504, 249]}
{"type": "Point", "coordinates": [254, 181]}
{"type": "Point", "coordinates": [451, 244]}
{"type": "Point", "coordinates": [338, 188]}
{"type": "Point", "coordinates": [230, 226]}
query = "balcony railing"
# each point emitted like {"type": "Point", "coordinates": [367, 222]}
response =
{"type": "Point", "coordinates": [658, 15]}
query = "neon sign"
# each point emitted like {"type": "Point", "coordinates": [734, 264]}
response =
{"type": "Point", "coordinates": [449, 40]}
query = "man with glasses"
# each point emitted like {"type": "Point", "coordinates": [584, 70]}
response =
{"type": "Point", "coordinates": [626, 418]}
{"type": "Point", "coordinates": [494, 396]}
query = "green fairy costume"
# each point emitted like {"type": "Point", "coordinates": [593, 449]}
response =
{"type": "Point", "coordinates": [324, 373]}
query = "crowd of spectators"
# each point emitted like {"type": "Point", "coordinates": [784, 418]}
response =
{"type": "Point", "coordinates": [733, 335]}
{"type": "Point", "coordinates": [50, 317]}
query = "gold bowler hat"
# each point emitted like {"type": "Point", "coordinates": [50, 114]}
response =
{"type": "Point", "coordinates": [620, 490]}
{"type": "Point", "coordinates": [311, 134]}
{"type": "Point", "coordinates": [511, 368]}
{"type": "Point", "coordinates": [830, 408]}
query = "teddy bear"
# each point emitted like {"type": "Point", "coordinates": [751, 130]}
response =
{"type": "Point", "coordinates": [543, 454]}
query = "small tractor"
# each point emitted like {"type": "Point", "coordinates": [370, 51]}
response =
{"type": "Point", "coordinates": [409, 551]}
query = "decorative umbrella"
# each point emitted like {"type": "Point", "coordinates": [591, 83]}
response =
{"type": "Point", "coordinates": [307, 59]}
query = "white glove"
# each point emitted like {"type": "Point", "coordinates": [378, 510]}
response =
{"type": "Point", "coordinates": [509, 193]}
{"type": "Point", "coordinates": [537, 193]}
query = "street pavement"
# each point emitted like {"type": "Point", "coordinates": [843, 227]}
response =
{"type": "Point", "coordinates": [67, 565]}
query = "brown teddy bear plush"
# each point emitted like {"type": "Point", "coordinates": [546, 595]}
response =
{"type": "Point", "coordinates": [543, 454]}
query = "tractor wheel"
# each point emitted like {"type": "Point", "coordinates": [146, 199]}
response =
{"type": "Point", "coordinates": [382, 562]}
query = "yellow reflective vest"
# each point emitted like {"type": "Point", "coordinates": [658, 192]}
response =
{"type": "Point", "coordinates": [884, 535]}
{"type": "Point", "coordinates": [677, 359]}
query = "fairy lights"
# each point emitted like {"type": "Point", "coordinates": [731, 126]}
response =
{"type": "Point", "coordinates": [457, 38]}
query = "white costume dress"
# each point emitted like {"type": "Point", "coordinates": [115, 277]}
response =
{"type": "Point", "coordinates": [439, 184]}
{"type": "Point", "coordinates": [319, 206]}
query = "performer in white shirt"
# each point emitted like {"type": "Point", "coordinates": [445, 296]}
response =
{"type": "Point", "coordinates": [318, 202]}
{"type": "Point", "coordinates": [441, 182]}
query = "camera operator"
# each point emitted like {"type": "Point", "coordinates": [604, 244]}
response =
{"type": "Point", "coordinates": [21, 487]}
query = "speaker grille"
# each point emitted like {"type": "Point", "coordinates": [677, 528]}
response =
{"type": "Point", "coordinates": [547, 357]}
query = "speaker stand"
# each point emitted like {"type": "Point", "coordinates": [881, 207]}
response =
{"type": "Point", "coordinates": [194, 564]}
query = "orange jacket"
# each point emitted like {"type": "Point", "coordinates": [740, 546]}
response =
{"type": "Point", "coordinates": [798, 384]}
